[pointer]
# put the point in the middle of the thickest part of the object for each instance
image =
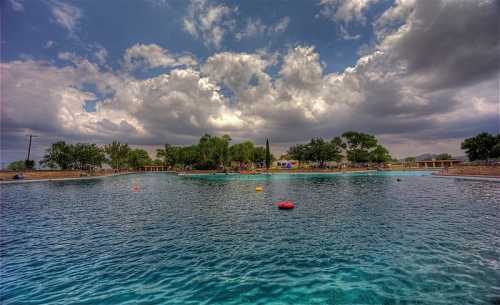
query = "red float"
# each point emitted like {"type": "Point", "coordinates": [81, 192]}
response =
{"type": "Point", "coordinates": [285, 205]}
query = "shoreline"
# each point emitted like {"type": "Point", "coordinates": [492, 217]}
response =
{"type": "Point", "coordinates": [276, 173]}
{"type": "Point", "coordinates": [304, 171]}
{"type": "Point", "coordinates": [45, 176]}
{"type": "Point", "coordinates": [62, 175]}
{"type": "Point", "coordinates": [12, 181]}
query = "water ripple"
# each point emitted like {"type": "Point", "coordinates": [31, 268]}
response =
{"type": "Point", "coordinates": [356, 239]}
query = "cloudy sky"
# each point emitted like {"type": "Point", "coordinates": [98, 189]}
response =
{"type": "Point", "coordinates": [421, 75]}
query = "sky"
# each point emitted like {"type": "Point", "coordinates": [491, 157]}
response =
{"type": "Point", "coordinates": [420, 75]}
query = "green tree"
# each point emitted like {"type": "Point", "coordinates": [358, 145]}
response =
{"type": "Point", "coordinates": [87, 156]}
{"type": "Point", "coordinates": [268, 155]}
{"type": "Point", "coordinates": [259, 154]}
{"type": "Point", "coordinates": [242, 152]}
{"type": "Point", "coordinates": [359, 140]}
{"type": "Point", "coordinates": [335, 149]}
{"type": "Point", "coordinates": [29, 164]}
{"type": "Point", "coordinates": [410, 159]}
{"type": "Point", "coordinates": [80, 156]}
{"type": "Point", "coordinates": [480, 147]}
{"type": "Point", "coordinates": [167, 154]}
{"type": "Point", "coordinates": [188, 155]}
{"type": "Point", "coordinates": [359, 145]}
{"type": "Point", "coordinates": [320, 151]}
{"type": "Point", "coordinates": [444, 156]}
{"type": "Point", "coordinates": [17, 166]}
{"type": "Point", "coordinates": [117, 154]}
{"type": "Point", "coordinates": [298, 152]}
{"type": "Point", "coordinates": [59, 155]}
{"type": "Point", "coordinates": [138, 158]}
{"type": "Point", "coordinates": [495, 150]}
{"type": "Point", "coordinates": [380, 155]}
{"type": "Point", "coordinates": [358, 155]}
{"type": "Point", "coordinates": [157, 162]}
{"type": "Point", "coordinates": [213, 151]}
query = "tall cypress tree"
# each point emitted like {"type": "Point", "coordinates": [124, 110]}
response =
{"type": "Point", "coordinates": [268, 155]}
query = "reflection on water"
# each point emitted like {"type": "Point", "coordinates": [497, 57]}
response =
{"type": "Point", "coordinates": [366, 239]}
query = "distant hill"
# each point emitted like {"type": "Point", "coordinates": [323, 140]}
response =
{"type": "Point", "coordinates": [424, 157]}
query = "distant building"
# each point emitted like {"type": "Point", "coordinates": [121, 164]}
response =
{"type": "Point", "coordinates": [154, 168]}
{"type": "Point", "coordinates": [437, 163]}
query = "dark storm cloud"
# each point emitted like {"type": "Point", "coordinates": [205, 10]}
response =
{"type": "Point", "coordinates": [451, 43]}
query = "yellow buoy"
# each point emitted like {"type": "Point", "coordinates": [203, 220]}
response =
{"type": "Point", "coordinates": [259, 189]}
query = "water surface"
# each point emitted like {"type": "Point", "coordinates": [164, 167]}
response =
{"type": "Point", "coordinates": [352, 239]}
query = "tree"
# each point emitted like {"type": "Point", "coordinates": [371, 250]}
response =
{"type": "Point", "coordinates": [317, 150]}
{"type": "Point", "coordinates": [80, 156]}
{"type": "Point", "coordinates": [17, 166]}
{"type": "Point", "coordinates": [118, 154]}
{"type": "Point", "coordinates": [444, 156]}
{"type": "Point", "coordinates": [242, 152]}
{"type": "Point", "coordinates": [358, 145]}
{"type": "Point", "coordinates": [268, 155]}
{"type": "Point", "coordinates": [167, 155]}
{"type": "Point", "coordinates": [320, 151]}
{"type": "Point", "coordinates": [410, 159]}
{"type": "Point", "coordinates": [188, 155]}
{"type": "Point", "coordinates": [363, 148]}
{"type": "Point", "coordinates": [138, 158]}
{"type": "Point", "coordinates": [480, 147]}
{"type": "Point", "coordinates": [298, 152]}
{"type": "Point", "coordinates": [157, 162]}
{"type": "Point", "coordinates": [380, 155]}
{"type": "Point", "coordinates": [495, 150]}
{"type": "Point", "coordinates": [87, 156]}
{"type": "Point", "coordinates": [359, 140]}
{"type": "Point", "coordinates": [213, 151]}
{"type": "Point", "coordinates": [29, 164]}
{"type": "Point", "coordinates": [59, 155]}
{"type": "Point", "coordinates": [259, 155]}
{"type": "Point", "coordinates": [335, 149]}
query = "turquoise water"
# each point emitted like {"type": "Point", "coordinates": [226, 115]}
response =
{"type": "Point", "coordinates": [352, 239]}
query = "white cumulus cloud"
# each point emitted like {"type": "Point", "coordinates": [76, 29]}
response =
{"type": "Point", "coordinates": [153, 56]}
{"type": "Point", "coordinates": [345, 10]}
{"type": "Point", "coordinates": [66, 15]}
{"type": "Point", "coordinates": [209, 22]}
{"type": "Point", "coordinates": [402, 90]}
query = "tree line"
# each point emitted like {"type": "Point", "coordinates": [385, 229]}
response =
{"type": "Point", "coordinates": [212, 152]}
{"type": "Point", "coordinates": [86, 156]}
{"type": "Point", "coordinates": [357, 147]}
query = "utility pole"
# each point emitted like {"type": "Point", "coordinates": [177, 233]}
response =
{"type": "Point", "coordinates": [29, 146]}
